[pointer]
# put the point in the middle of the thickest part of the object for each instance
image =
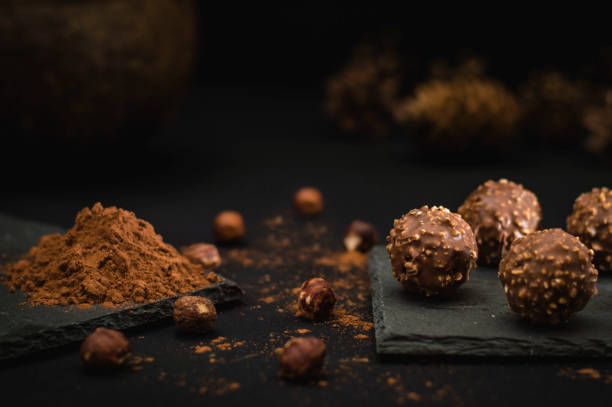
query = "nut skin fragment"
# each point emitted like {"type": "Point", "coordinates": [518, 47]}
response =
{"type": "Point", "coordinates": [301, 358]}
{"type": "Point", "coordinates": [548, 276]}
{"type": "Point", "coordinates": [316, 299]}
{"type": "Point", "coordinates": [360, 236]}
{"type": "Point", "coordinates": [499, 212]}
{"type": "Point", "coordinates": [105, 348]}
{"type": "Point", "coordinates": [591, 222]}
{"type": "Point", "coordinates": [308, 201]}
{"type": "Point", "coordinates": [228, 227]}
{"type": "Point", "coordinates": [203, 253]}
{"type": "Point", "coordinates": [194, 314]}
{"type": "Point", "coordinates": [432, 251]}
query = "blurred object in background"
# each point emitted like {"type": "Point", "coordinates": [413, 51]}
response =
{"type": "Point", "coordinates": [93, 71]}
{"type": "Point", "coordinates": [361, 97]}
{"type": "Point", "coordinates": [598, 120]}
{"type": "Point", "coordinates": [554, 107]}
{"type": "Point", "coordinates": [460, 110]}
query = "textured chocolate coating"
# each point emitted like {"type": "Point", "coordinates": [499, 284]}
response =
{"type": "Point", "coordinates": [548, 276]}
{"type": "Point", "coordinates": [432, 251]}
{"type": "Point", "coordinates": [591, 221]}
{"type": "Point", "coordinates": [499, 212]}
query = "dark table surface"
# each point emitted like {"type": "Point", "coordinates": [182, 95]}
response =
{"type": "Point", "coordinates": [249, 149]}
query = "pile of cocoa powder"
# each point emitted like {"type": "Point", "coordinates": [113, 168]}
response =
{"type": "Point", "coordinates": [108, 257]}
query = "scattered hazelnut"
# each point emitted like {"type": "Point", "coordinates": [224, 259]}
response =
{"type": "Point", "coordinates": [228, 227]}
{"type": "Point", "coordinates": [203, 253]}
{"type": "Point", "coordinates": [308, 201]}
{"type": "Point", "coordinates": [194, 314]}
{"type": "Point", "coordinates": [360, 236]}
{"type": "Point", "coordinates": [105, 348]}
{"type": "Point", "coordinates": [316, 299]}
{"type": "Point", "coordinates": [301, 358]}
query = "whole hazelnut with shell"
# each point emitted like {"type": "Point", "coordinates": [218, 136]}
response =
{"type": "Point", "coordinates": [316, 299]}
{"type": "Point", "coordinates": [548, 276]}
{"type": "Point", "coordinates": [308, 201]}
{"type": "Point", "coordinates": [194, 314]}
{"type": "Point", "coordinates": [105, 348]}
{"type": "Point", "coordinates": [301, 358]}
{"type": "Point", "coordinates": [228, 227]}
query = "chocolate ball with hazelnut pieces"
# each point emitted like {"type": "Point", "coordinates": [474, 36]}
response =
{"type": "Point", "coordinates": [308, 201]}
{"type": "Point", "coordinates": [360, 236]}
{"type": "Point", "coordinates": [316, 299]}
{"type": "Point", "coordinates": [548, 276]}
{"type": "Point", "coordinates": [432, 251]}
{"type": "Point", "coordinates": [591, 221]}
{"type": "Point", "coordinates": [105, 348]}
{"type": "Point", "coordinates": [301, 358]}
{"type": "Point", "coordinates": [194, 314]}
{"type": "Point", "coordinates": [203, 253]}
{"type": "Point", "coordinates": [228, 227]}
{"type": "Point", "coordinates": [499, 212]}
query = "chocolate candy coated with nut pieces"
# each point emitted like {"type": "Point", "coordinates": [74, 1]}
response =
{"type": "Point", "coordinates": [500, 212]}
{"type": "Point", "coordinates": [301, 358]}
{"type": "Point", "coordinates": [308, 201]}
{"type": "Point", "coordinates": [194, 314]}
{"type": "Point", "coordinates": [203, 253]}
{"type": "Point", "coordinates": [591, 221]}
{"type": "Point", "coordinates": [360, 236]}
{"type": "Point", "coordinates": [105, 348]}
{"type": "Point", "coordinates": [228, 227]}
{"type": "Point", "coordinates": [548, 276]}
{"type": "Point", "coordinates": [316, 299]}
{"type": "Point", "coordinates": [432, 250]}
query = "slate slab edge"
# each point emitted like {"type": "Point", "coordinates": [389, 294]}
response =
{"type": "Point", "coordinates": [426, 345]}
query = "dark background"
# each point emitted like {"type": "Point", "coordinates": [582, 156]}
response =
{"type": "Point", "coordinates": [251, 131]}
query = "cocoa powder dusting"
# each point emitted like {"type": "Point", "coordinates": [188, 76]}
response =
{"type": "Point", "coordinates": [108, 257]}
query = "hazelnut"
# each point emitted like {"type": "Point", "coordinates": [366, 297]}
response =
{"type": "Point", "coordinates": [203, 253]}
{"type": "Point", "coordinates": [301, 358]}
{"type": "Point", "coordinates": [105, 348]}
{"type": "Point", "coordinates": [194, 314]}
{"type": "Point", "coordinates": [316, 299]}
{"type": "Point", "coordinates": [228, 227]}
{"type": "Point", "coordinates": [360, 236]}
{"type": "Point", "coordinates": [308, 201]}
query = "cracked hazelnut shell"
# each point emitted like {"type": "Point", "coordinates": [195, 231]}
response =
{"type": "Point", "coordinates": [105, 348]}
{"type": "Point", "coordinates": [432, 250]}
{"type": "Point", "coordinates": [548, 276]}
{"type": "Point", "coordinates": [302, 358]}
{"type": "Point", "coordinates": [498, 213]}
{"type": "Point", "coordinates": [360, 236]}
{"type": "Point", "coordinates": [591, 221]}
{"type": "Point", "coordinates": [194, 314]}
{"type": "Point", "coordinates": [203, 253]}
{"type": "Point", "coordinates": [316, 299]}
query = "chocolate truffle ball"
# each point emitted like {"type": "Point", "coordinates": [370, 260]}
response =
{"type": "Point", "coordinates": [548, 276]}
{"type": "Point", "coordinates": [432, 251]}
{"type": "Point", "coordinates": [499, 212]}
{"type": "Point", "coordinates": [591, 221]}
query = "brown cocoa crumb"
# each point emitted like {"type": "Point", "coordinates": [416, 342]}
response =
{"type": "Point", "coordinates": [202, 349]}
{"type": "Point", "coordinates": [108, 257]}
{"type": "Point", "coordinates": [361, 336]}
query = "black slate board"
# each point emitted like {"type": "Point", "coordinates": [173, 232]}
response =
{"type": "Point", "coordinates": [25, 329]}
{"type": "Point", "coordinates": [478, 322]}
